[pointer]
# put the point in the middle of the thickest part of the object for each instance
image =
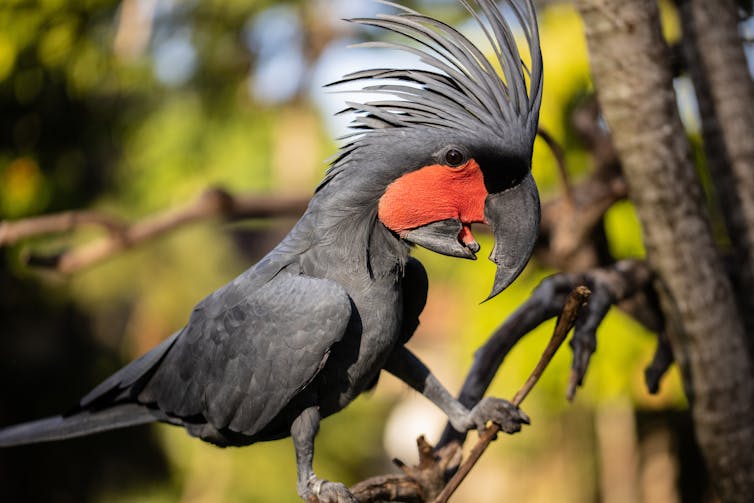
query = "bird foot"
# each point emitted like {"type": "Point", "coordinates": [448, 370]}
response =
{"type": "Point", "coordinates": [499, 411]}
{"type": "Point", "coordinates": [323, 491]}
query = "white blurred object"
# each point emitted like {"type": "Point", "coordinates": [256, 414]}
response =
{"type": "Point", "coordinates": [412, 417]}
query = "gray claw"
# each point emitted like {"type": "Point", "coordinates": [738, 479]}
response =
{"type": "Point", "coordinates": [499, 411]}
{"type": "Point", "coordinates": [325, 491]}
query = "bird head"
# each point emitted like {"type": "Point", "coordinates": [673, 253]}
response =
{"type": "Point", "coordinates": [451, 143]}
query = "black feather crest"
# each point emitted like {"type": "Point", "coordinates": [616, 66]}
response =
{"type": "Point", "coordinates": [463, 89]}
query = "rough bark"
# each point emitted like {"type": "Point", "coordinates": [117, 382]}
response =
{"type": "Point", "coordinates": [725, 92]}
{"type": "Point", "coordinates": [629, 61]}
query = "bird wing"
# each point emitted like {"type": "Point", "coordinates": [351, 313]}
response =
{"type": "Point", "coordinates": [118, 386]}
{"type": "Point", "coordinates": [415, 285]}
{"type": "Point", "coordinates": [248, 350]}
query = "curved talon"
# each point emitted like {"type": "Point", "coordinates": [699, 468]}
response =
{"type": "Point", "coordinates": [499, 411]}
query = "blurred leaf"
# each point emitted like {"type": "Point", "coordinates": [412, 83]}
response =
{"type": "Point", "coordinates": [624, 231]}
{"type": "Point", "coordinates": [23, 188]}
{"type": "Point", "coordinates": [7, 55]}
{"type": "Point", "coordinates": [56, 42]}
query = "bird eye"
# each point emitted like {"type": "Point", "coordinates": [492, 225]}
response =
{"type": "Point", "coordinates": [454, 157]}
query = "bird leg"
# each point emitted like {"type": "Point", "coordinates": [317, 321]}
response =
{"type": "Point", "coordinates": [407, 367]}
{"type": "Point", "coordinates": [311, 488]}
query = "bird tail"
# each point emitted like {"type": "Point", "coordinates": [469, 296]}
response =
{"type": "Point", "coordinates": [80, 423]}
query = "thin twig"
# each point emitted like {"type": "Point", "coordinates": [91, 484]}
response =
{"type": "Point", "coordinates": [559, 153]}
{"type": "Point", "coordinates": [566, 321]}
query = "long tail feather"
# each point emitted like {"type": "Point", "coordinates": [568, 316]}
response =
{"type": "Point", "coordinates": [76, 425]}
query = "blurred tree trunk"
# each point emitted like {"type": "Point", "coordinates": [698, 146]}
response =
{"type": "Point", "coordinates": [725, 92]}
{"type": "Point", "coordinates": [630, 67]}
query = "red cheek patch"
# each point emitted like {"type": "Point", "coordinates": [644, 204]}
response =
{"type": "Point", "coordinates": [435, 193]}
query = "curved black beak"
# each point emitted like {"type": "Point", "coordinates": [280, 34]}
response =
{"type": "Point", "coordinates": [513, 215]}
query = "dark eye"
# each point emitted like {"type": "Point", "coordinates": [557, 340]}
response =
{"type": "Point", "coordinates": [454, 157]}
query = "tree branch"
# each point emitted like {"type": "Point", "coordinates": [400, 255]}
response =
{"type": "Point", "coordinates": [122, 236]}
{"type": "Point", "coordinates": [14, 231]}
{"type": "Point", "coordinates": [559, 153]}
{"type": "Point", "coordinates": [725, 93]}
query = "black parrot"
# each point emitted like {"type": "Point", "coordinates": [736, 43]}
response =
{"type": "Point", "coordinates": [299, 335]}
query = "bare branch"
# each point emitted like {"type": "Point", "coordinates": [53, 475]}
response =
{"type": "Point", "coordinates": [571, 233]}
{"type": "Point", "coordinates": [390, 487]}
{"type": "Point", "coordinates": [559, 153]}
{"type": "Point", "coordinates": [419, 483]}
{"type": "Point", "coordinates": [121, 236]}
{"type": "Point", "coordinates": [567, 230]}
{"type": "Point", "coordinates": [14, 231]}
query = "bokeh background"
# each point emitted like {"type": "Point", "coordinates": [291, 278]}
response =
{"type": "Point", "coordinates": [134, 106]}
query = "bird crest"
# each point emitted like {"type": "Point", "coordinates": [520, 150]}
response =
{"type": "Point", "coordinates": [460, 87]}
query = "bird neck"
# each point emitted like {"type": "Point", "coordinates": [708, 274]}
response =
{"type": "Point", "coordinates": [346, 216]}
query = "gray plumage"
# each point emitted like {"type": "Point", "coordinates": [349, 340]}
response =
{"type": "Point", "coordinates": [299, 335]}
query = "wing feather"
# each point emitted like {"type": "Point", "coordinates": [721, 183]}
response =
{"type": "Point", "coordinates": [245, 354]}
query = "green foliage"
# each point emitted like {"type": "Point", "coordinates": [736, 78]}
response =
{"type": "Point", "coordinates": [193, 148]}
{"type": "Point", "coordinates": [623, 231]}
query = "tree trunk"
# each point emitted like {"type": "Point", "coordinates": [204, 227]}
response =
{"type": "Point", "coordinates": [629, 61]}
{"type": "Point", "coordinates": [725, 92]}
